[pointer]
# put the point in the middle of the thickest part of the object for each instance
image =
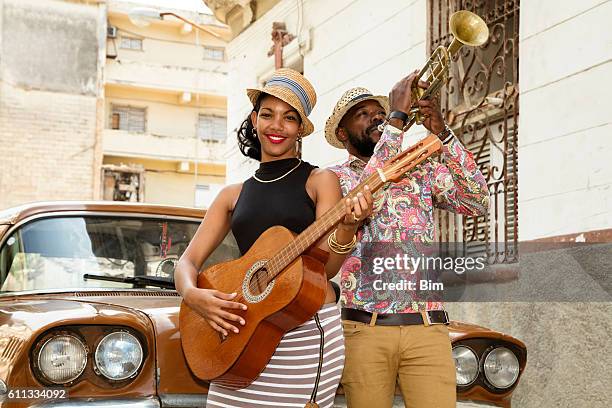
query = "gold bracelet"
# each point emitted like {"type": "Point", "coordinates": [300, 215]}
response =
{"type": "Point", "coordinates": [348, 245]}
{"type": "Point", "coordinates": [337, 250]}
{"type": "Point", "coordinates": [340, 249]}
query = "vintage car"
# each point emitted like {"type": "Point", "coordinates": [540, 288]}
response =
{"type": "Point", "coordinates": [89, 314]}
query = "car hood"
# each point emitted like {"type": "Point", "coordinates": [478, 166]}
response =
{"type": "Point", "coordinates": [460, 330]}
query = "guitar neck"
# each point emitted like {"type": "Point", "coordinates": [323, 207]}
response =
{"type": "Point", "coordinates": [393, 170]}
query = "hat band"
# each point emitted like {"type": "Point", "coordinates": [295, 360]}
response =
{"type": "Point", "coordinates": [358, 97]}
{"type": "Point", "coordinates": [294, 87]}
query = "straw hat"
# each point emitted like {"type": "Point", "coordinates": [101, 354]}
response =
{"type": "Point", "coordinates": [349, 99]}
{"type": "Point", "coordinates": [290, 86]}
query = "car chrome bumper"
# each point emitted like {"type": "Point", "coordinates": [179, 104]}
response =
{"type": "Point", "coordinates": [99, 403]}
{"type": "Point", "coordinates": [167, 401]}
{"type": "Point", "coordinates": [183, 400]}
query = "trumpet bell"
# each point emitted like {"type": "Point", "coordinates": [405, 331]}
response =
{"type": "Point", "coordinates": [468, 28]}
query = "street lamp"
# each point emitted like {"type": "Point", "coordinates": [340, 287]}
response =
{"type": "Point", "coordinates": [142, 17]}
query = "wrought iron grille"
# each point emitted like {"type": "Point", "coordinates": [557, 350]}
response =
{"type": "Point", "coordinates": [480, 104]}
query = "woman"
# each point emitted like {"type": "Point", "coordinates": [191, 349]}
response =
{"type": "Point", "coordinates": [284, 191]}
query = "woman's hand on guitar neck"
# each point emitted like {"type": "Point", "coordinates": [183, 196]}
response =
{"type": "Point", "coordinates": [210, 304]}
{"type": "Point", "coordinates": [357, 209]}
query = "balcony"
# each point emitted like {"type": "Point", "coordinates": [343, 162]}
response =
{"type": "Point", "coordinates": [166, 77]}
{"type": "Point", "coordinates": [148, 146]}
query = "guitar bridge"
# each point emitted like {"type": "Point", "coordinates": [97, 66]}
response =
{"type": "Point", "coordinates": [222, 337]}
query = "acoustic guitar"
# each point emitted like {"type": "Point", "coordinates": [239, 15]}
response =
{"type": "Point", "coordinates": [282, 280]}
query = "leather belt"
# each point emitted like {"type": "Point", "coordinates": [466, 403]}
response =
{"type": "Point", "coordinates": [396, 319]}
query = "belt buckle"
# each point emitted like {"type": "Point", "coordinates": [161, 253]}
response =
{"type": "Point", "coordinates": [429, 322]}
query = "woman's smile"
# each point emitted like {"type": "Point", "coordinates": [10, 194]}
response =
{"type": "Point", "coordinates": [275, 138]}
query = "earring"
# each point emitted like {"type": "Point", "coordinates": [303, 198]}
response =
{"type": "Point", "coordinates": [298, 149]}
{"type": "Point", "coordinates": [254, 132]}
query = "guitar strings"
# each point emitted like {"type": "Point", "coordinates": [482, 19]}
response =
{"type": "Point", "coordinates": [313, 233]}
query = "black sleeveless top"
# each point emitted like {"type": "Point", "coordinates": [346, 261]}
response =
{"type": "Point", "coordinates": [283, 202]}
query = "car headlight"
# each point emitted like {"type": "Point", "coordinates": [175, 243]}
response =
{"type": "Point", "coordinates": [118, 356]}
{"type": "Point", "coordinates": [501, 367]}
{"type": "Point", "coordinates": [62, 358]}
{"type": "Point", "coordinates": [466, 365]}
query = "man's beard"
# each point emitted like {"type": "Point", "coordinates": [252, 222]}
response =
{"type": "Point", "coordinates": [364, 143]}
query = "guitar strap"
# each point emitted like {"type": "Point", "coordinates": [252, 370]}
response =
{"type": "Point", "coordinates": [313, 397]}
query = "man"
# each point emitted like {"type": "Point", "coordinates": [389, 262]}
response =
{"type": "Point", "coordinates": [391, 336]}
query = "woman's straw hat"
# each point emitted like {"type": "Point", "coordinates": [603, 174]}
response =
{"type": "Point", "coordinates": [290, 86]}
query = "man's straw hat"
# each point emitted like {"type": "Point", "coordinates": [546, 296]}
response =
{"type": "Point", "coordinates": [350, 98]}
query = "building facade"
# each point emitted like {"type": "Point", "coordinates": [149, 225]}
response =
{"type": "Point", "coordinates": [164, 108]}
{"type": "Point", "coordinates": [93, 106]}
{"type": "Point", "coordinates": [529, 104]}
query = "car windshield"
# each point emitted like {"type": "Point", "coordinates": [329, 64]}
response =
{"type": "Point", "coordinates": [56, 253]}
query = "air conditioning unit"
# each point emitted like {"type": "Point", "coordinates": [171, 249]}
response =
{"type": "Point", "coordinates": [111, 31]}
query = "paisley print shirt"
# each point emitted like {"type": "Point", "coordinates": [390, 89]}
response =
{"type": "Point", "coordinates": [402, 221]}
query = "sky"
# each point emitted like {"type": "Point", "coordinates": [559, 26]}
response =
{"type": "Point", "coordinates": [194, 5]}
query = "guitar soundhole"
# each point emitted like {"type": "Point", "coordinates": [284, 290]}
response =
{"type": "Point", "coordinates": [259, 282]}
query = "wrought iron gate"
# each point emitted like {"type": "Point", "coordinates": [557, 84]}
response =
{"type": "Point", "coordinates": [480, 103]}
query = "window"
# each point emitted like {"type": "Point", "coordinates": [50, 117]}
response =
{"type": "Point", "coordinates": [123, 183]}
{"type": "Point", "coordinates": [130, 43]}
{"type": "Point", "coordinates": [212, 128]}
{"type": "Point", "coordinates": [128, 118]}
{"type": "Point", "coordinates": [213, 53]}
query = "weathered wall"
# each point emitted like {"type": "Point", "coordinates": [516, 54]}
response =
{"type": "Point", "coordinates": [565, 176]}
{"type": "Point", "coordinates": [565, 122]}
{"type": "Point", "coordinates": [50, 82]}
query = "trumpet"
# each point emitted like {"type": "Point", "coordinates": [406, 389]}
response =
{"type": "Point", "coordinates": [467, 29]}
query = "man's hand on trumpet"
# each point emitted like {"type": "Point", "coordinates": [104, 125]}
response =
{"type": "Point", "coordinates": [432, 115]}
{"type": "Point", "coordinates": [400, 99]}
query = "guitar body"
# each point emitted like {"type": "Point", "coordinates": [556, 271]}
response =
{"type": "Point", "coordinates": [292, 298]}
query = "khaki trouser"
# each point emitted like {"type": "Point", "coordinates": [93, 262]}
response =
{"type": "Point", "coordinates": [416, 357]}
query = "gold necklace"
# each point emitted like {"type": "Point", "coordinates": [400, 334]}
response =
{"type": "Point", "coordinates": [278, 178]}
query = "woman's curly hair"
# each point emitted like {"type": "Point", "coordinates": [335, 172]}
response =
{"type": "Point", "coordinates": [248, 143]}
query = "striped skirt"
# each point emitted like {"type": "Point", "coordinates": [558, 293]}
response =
{"type": "Point", "coordinates": [289, 378]}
